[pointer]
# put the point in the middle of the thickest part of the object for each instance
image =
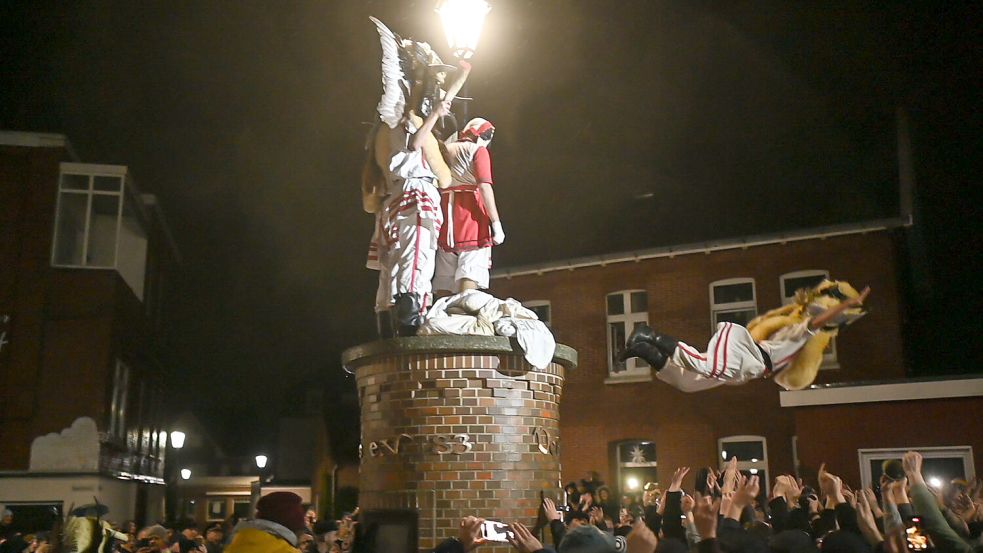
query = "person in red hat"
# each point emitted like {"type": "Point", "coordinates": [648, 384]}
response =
{"type": "Point", "coordinates": [471, 222]}
{"type": "Point", "coordinates": [279, 516]}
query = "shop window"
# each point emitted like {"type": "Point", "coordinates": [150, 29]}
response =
{"type": "Point", "coordinates": [790, 283]}
{"type": "Point", "coordinates": [751, 453]}
{"type": "Point", "coordinates": [541, 308]}
{"type": "Point", "coordinates": [637, 465]}
{"type": "Point", "coordinates": [939, 466]}
{"type": "Point", "coordinates": [626, 310]}
{"type": "Point", "coordinates": [732, 300]}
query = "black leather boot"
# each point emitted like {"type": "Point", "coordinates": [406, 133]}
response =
{"type": "Point", "coordinates": [645, 335]}
{"type": "Point", "coordinates": [406, 314]}
{"type": "Point", "coordinates": [384, 325]}
{"type": "Point", "coordinates": [644, 350]}
{"type": "Point", "coordinates": [666, 344]}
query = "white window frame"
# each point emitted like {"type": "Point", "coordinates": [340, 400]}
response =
{"type": "Point", "coordinates": [716, 308]}
{"type": "Point", "coordinates": [829, 355]}
{"type": "Point", "coordinates": [541, 303]}
{"type": "Point", "coordinates": [636, 370]}
{"type": "Point", "coordinates": [751, 466]}
{"type": "Point", "coordinates": [865, 456]}
{"type": "Point", "coordinates": [91, 171]}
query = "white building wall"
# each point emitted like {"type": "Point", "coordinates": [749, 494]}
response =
{"type": "Point", "coordinates": [72, 489]}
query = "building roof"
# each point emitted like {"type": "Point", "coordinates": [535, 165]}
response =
{"type": "Point", "coordinates": [864, 227]}
{"type": "Point", "coordinates": [37, 140]}
{"type": "Point", "coordinates": [885, 390]}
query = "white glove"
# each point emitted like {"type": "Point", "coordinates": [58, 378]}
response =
{"type": "Point", "coordinates": [498, 233]}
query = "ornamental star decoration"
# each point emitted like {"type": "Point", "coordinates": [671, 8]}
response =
{"type": "Point", "coordinates": [637, 455]}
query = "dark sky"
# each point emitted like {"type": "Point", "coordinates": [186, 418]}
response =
{"type": "Point", "coordinates": [247, 119]}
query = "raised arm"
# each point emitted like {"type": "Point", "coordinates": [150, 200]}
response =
{"type": "Point", "coordinates": [819, 320]}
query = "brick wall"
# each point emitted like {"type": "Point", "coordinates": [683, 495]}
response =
{"type": "Point", "coordinates": [455, 435]}
{"type": "Point", "coordinates": [686, 427]}
{"type": "Point", "coordinates": [832, 434]}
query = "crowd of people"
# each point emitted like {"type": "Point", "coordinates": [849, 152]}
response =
{"type": "Point", "coordinates": [727, 513]}
{"type": "Point", "coordinates": [281, 524]}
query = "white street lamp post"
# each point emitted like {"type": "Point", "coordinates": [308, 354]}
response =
{"type": "Point", "coordinates": [462, 21]}
{"type": "Point", "coordinates": [177, 439]}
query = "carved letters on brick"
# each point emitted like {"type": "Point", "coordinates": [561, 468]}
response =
{"type": "Point", "coordinates": [440, 444]}
{"type": "Point", "coordinates": [547, 445]}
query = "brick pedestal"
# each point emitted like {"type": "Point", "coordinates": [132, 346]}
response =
{"type": "Point", "coordinates": [455, 426]}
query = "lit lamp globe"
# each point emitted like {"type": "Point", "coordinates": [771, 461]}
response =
{"type": "Point", "coordinates": [177, 439]}
{"type": "Point", "coordinates": [186, 474]}
{"type": "Point", "coordinates": [261, 461]}
{"type": "Point", "coordinates": [462, 20]}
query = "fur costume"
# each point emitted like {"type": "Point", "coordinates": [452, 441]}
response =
{"type": "Point", "coordinates": [779, 343]}
{"type": "Point", "coordinates": [808, 303]}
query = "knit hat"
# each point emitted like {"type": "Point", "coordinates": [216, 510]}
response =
{"type": "Point", "coordinates": [282, 508]}
{"type": "Point", "coordinates": [587, 539]}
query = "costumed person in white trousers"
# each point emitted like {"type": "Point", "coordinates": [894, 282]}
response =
{"type": "Point", "coordinates": [471, 221]}
{"type": "Point", "coordinates": [733, 356]}
{"type": "Point", "coordinates": [408, 225]}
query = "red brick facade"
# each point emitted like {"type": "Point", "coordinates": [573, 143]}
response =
{"type": "Point", "coordinates": [686, 427]}
{"type": "Point", "coordinates": [453, 434]}
{"type": "Point", "coordinates": [68, 327]}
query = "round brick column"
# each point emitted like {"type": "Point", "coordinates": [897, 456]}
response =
{"type": "Point", "coordinates": [455, 426]}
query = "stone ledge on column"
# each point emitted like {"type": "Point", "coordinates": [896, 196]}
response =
{"type": "Point", "coordinates": [352, 357]}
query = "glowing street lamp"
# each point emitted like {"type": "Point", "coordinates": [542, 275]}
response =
{"type": "Point", "coordinates": [186, 474]}
{"type": "Point", "coordinates": [261, 461]}
{"type": "Point", "coordinates": [177, 439]}
{"type": "Point", "coordinates": [462, 20]}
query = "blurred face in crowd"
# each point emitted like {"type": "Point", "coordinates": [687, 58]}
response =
{"type": "Point", "coordinates": [190, 533]}
{"type": "Point", "coordinates": [310, 517]}
{"type": "Point", "coordinates": [8, 519]}
{"type": "Point", "coordinates": [214, 535]}
{"type": "Point", "coordinates": [602, 495]}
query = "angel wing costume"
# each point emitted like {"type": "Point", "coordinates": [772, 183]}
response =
{"type": "Point", "coordinates": [400, 184]}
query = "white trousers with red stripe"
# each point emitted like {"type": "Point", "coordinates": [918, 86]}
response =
{"type": "Point", "coordinates": [407, 251]}
{"type": "Point", "coordinates": [731, 357]}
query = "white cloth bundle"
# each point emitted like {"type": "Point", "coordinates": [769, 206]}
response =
{"type": "Point", "coordinates": [476, 313]}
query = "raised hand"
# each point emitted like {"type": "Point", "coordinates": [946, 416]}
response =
{"type": "Point", "coordinates": [730, 476]}
{"type": "Point", "coordinates": [705, 517]}
{"type": "Point", "coordinates": [687, 504]}
{"type": "Point", "coordinates": [549, 509]}
{"type": "Point", "coordinates": [522, 539]}
{"type": "Point", "coordinates": [912, 463]}
{"type": "Point", "coordinates": [469, 532]}
{"type": "Point", "coordinates": [677, 479]}
{"type": "Point", "coordinates": [871, 499]}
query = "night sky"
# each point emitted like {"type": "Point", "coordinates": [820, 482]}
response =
{"type": "Point", "coordinates": [620, 125]}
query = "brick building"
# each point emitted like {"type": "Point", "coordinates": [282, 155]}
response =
{"type": "Point", "coordinates": [84, 260]}
{"type": "Point", "coordinates": [630, 428]}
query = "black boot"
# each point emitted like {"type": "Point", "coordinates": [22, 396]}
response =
{"type": "Point", "coordinates": [384, 325]}
{"type": "Point", "coordinates": [641, 333]}
{"type": "Point", "coordinates": [645, 334]}
{"type": "Point", "coordinates": [646, 351]}
{"type": "Point", "coordinates": [406, 314]}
